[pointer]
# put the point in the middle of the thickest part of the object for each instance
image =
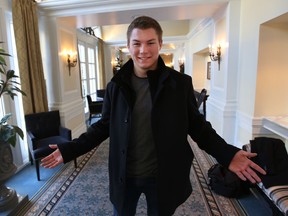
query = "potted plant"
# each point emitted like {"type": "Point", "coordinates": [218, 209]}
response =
{"type": "Point", "coordinates": [8, 133]}
{"type": "Point", "coordinates": [8, 86]}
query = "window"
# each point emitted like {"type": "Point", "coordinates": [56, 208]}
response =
{"type": "Point", "coordinates": [82, 57]}
{"type": "Point", "coordinates": [15, 106]}
{"type": "Point", "coordinates": [88, 70]}
{"type": "Point", "coordinates": [92, 71]}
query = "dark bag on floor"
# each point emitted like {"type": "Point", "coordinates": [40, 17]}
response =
{"type": "Point", "coordinates": [226, 183]}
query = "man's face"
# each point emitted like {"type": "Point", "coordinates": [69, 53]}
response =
{"type": "Point", "coordinates": [144, 47]}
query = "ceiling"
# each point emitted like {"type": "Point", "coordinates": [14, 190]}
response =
{"type": "Point", "coordinates": [87, 13]}
{"type": "Point", "coordinates": [90, 13]}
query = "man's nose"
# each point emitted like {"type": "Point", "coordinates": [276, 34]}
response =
{"type": "Point", "coordinates": [143, 48]}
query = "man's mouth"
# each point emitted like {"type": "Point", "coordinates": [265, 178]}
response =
{"type": "Point", "coordinates": [143, 58]}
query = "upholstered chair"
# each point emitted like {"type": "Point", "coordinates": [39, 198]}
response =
{"type": "Point", "coordinates": [44, 128]}
{"type": "Point", "coordinates": [95, 108]}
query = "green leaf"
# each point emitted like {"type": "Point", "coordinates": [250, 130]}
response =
{"type": "Point", "coordinates": [3, 53]}
{"type": "Point", "coordinates": [5, 118]}
{"type": "Point", "coordinates": [8, 86]}
{"type": "Point", "coordinates": [2, 60]}
{"type": "Point", "coordinates": [10, 74]}
{"type": "Point", "coordinates": [18, 131]}
{"type": "Point", "coordinates": [12, 140]}
{"type": "Point", "coordinates": [6, 132]}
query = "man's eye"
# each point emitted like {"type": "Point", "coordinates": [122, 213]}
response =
{"type": "Point", "coordinates": [150, 43]}
{"type": "Point", "coordinates": [136, 44]}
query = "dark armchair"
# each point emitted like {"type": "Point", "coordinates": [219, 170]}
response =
{"type": "Point", "coordinates": [95, 107]}
{"type": "Point", "coordinates": [201, 98]}
{"type": "Point", "coordinates": [44, 128]}
{"type": "Point", "coordinates": [101, 93]}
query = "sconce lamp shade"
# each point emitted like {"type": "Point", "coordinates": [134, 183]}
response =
{"type": "Point", "coordinates": [71, 60]}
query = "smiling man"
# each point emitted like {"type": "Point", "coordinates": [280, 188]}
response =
{"type": "Point", "coordinates": [148, 111]}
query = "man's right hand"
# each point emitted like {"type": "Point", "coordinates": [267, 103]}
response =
{"type": "Point", "coordinates": [52, 160]}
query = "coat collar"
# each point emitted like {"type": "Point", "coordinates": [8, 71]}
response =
{"type": "Point", "coordinates": [124, 75]}
{"type": "Point", "coordinates": [157, 79]}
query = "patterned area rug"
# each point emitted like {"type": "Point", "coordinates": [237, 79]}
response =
{"type": "Point", "coordinates": [85, 190]}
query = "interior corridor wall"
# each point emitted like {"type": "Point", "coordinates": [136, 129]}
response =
{"type": "Point", "coordinates": [63, 88]}
{"type": "Point", "coordinates": [250, 24]}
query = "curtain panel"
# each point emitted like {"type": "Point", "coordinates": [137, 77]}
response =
{"type": "Point", "coordinates": [102, 80]}
{"type": "Point", "coordinates": [25, 21]}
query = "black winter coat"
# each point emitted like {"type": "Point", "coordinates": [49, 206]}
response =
{"type": "Point", "coordinates": [174, 116]}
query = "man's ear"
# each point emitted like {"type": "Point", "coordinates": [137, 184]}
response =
{"type": "Point", "coordinates": [128, 47]}
{"type": "Point", "coordinates": [160, 43]}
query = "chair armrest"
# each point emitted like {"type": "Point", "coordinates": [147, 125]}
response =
{"type": "Point", "coordinates": [96, 107]}
{"type": "Point", "coordinates": [30, 135]}
{"type": "Point", "coordinates": [65, 132]}
{"type": "Point", "coordinates": [30, 138]}
{"type": "Point", "coordinates": [96, 103]}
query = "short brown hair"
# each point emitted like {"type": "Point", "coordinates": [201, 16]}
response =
{"type": "Point", "coordinates": [144, 22]}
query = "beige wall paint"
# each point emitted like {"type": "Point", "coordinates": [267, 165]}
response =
{"type": "Point", "coordinates": [118, 32]}
{"type": "Point", "coordinates": [175, 28]}
{"type": "Point", "coordinates": [249, 44]}
{"type": "Point", "coordinates": [199, 70]}
{"type": "Point", "coordinates": [272, 74]}
{"type": "Point", "coordinates": [73, 122]}
{"type": "Point", "coordinates": [114, 32]}
{"type": "Point", "coordinates": [67, 43]}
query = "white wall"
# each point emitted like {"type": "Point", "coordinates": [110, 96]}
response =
{"type": "Point", "coordinates": [64, 92]}
{"type": "Point", "coordinates": [248, 60]}
{"type": "Point", "coordinates": [221, 104]}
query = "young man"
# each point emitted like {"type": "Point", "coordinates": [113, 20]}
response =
{"type": "Point", "coordinates": [149, 109]}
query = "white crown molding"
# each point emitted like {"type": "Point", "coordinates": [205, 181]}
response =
{"type": "Point", "coordinates": [203, 24]}
{"type": "Point", "coordinates": [107, 5]}
{"type": "Point", "coordinates": [111, 12]}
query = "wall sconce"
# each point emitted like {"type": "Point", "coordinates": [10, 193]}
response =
{"type": "Point", "coordinates": [71, 60]}
{"type": "Point", "coordinates": [118, 62]}
{"type": "Point", "coordinates": [215, 56]}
